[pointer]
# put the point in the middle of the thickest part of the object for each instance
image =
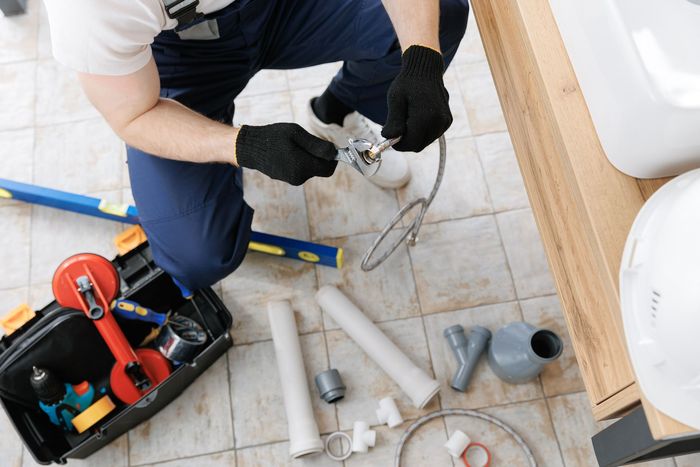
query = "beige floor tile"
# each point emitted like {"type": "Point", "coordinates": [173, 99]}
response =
{"type": "Point", "coordinates": [280, 208]}
{"type": "Point", "coordinates": [525, 252]}
{"type": "Point", "coordinates": [15, 246]}
{"type": "Point", "coordinates": [503, 176]}
{"type": "Point", "coordinates": [9, 299]}
{"type": "Point", "coordinates": [386, 293]}
{"type": "Point", "coordinates": [485, 389]}
{"type": "Point", "coordinates": [480, 98]}
{"type": "Point", "coordinates": [471, 49]}
{"type": "Point", "coordinates": [314, 76]}
{"type": "Point", "coordinates": [424, 448]}
{"type": "Point", "coordinates": [300, 103]}
{"type": "Point", "coordinates": [263, 109]}
{"type": "Point", "coordinates": [460, 125]}
{"type": "Point", "coordinates": [463, 191]}
{"type": "Point", "coordinates": [57, 234]}
{"type": "Point", "coordinates": [561, 376]}
{"type": "Point", "coordinates": [262, 278]}
{"type": "Point", "coordinates": [10, 443]}
{"type": "Point", "coordinates": [17, 95]}
{"type": "Point", "coordinates": [574, 425]}
{"type": "Point", "coordinates": [197, 422]}
{"type": "Point", "coordinates": [18, 34]}
{"type": "Point", "coordinates": [82, 157]}
{"type": "Point", "coordinates": [59, 97]}
{"type": "Point", "coordinates": [115, 454]}
{"type": "Point", "coordinates": [347, 204]}
{"type": "Point", "coordinates": [40, 295]}
{"type": "Point", "coordinates": [366, 382]}
{"type": "Point", "coordinates": [470, 246]}
{"type": "Point", "coordinates": [16, 153]}
{"type": "Point", "coordinates": [222, 459]}
{"type": "Point", "coordinates": [690, 460]}
{"type": "Point", "coordinates": [531, 421]}
{"type": "Point", "coordinates": [256, 391]}
{"type": "Point", "coordinates": [277, 454]}
{"type": "Point", "coordinates": [266, 82]}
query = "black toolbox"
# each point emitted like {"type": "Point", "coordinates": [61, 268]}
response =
{"type": "Point", "coordinates": [66, 339]}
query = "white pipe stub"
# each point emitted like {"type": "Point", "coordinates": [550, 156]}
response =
{"type": "Point", "coordinates": [362, 437]}
{"type": "Point", "coordinates": [457, 444]}
{"type": "Point", "coordinates": [389, 413]}
{"type": "Point", "coordinates": [344, 442]}
{"type": "Point", "coordinates": [415, 382]}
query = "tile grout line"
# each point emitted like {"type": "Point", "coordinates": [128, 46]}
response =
{"type": "Point", "coordinates": [230, 397]}
{"type": "Point", "coordinates": [551, 421]}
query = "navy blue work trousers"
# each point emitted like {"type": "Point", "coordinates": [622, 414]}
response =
{"type": "Point", "coordinates": [194, 215]}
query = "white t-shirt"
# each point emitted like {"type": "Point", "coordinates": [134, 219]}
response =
{"type": "Point", "coordinates": [110, 37]}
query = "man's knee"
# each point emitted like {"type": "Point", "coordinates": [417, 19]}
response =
{"type": "Point", "coordinates": [206, 263]}
{"type": "Point", "coordinates": [202, 247]}
{"type": "Point", "coordinates": [453, 21]}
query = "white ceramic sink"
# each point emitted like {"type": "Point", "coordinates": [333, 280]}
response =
{"type": "Point", "coordinates": [638, 65]}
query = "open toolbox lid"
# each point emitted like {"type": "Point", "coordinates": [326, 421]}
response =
{"type": "Point", "coordinates": [144, 282]}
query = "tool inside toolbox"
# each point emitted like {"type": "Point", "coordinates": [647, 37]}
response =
{"type": "Point", "coordinates": [139, 282]}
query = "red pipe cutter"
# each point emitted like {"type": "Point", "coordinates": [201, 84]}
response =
{"type": "Point", "coordinates": [89, 282]}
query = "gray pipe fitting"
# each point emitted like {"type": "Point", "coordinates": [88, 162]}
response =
{"type": "Point", "coordinates": [519, 351]}
{"type": "Point", "coordinates": [467, 352]}
{"type": "Point", "coordinates": [330, 386]}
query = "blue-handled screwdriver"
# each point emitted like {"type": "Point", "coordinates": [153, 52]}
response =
{"type": "Point", "coordinates": [129, 309]}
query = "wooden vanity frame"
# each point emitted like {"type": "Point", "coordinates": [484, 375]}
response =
{"type": "Point", "coordinates": [584, 207]}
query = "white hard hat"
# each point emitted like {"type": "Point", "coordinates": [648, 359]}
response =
{"type": "Point", "coordinates": [660, 298]}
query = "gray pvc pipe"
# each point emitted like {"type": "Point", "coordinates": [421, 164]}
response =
{"type": "Point", "coordinates": [466, 351]}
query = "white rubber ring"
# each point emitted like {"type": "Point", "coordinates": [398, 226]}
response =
{"type": "Point", "coordinates": [344, 454]}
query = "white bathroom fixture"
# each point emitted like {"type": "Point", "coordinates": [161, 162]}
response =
{"type": "Point", "coordinates": [638, 66]}
{"type": "Point", "coordinates": [388, 413]}
{"type": "Point", "coordinates": [660, 298]}
{"type": "Point", "coordinates": [362, 437]}
{"type": "Point", "coordinates": [304, 437]}
{"type": "Point", "coordinates": [457, 444]}
{"type": "Point", "coordinates": [420, 387]}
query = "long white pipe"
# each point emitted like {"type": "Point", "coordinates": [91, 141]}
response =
{"type": "Point", "coordinates": [420, 387]}
{"type": "Point", "coordinates": [304, 437]}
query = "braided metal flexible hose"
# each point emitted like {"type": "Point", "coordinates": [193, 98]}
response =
{"type": "Point", "coordinates": [410, 232]}
{"type": "Point", "coordinates": [465, 413]}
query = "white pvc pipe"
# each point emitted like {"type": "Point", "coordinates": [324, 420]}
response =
{"type": "Point", "coordinates": [457, 444]}
{"type": "Point", "coordinates": [419, 387]}
{"type": "Point", "coordinates": [304, 437]}
{"type": "Point", "coordinates": [362, 437]}
{"type": "Point", "coordinates": [389, 413]}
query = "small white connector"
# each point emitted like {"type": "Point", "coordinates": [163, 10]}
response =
{"type": "Point", "coordinates": [362, 437]}
{"type": "Point", "coordinates": [457, 444]}
{"type": "Point", "coordinates": [389, 413]}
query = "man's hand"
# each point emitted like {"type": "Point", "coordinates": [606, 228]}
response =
{"type": "Point", "coordinates": [419, 111]}
{"type": "Point", "coordinates": [285, 151]}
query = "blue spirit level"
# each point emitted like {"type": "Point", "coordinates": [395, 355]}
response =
{"type": "Point", "coordinates": [260, 242]}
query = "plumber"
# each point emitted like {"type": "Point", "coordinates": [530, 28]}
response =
{"type": "Point", "coordinates": [164, 74]}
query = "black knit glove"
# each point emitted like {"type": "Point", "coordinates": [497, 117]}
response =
{"type": "Point", "coordinates": [285, 151]}
{"type": "Point", "coordinates": [418, 101]}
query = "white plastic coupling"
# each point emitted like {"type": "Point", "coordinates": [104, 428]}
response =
{"type": "Point", "coordinates": [457, 444]}
{"type": "Point", "coordinates": [389, 413]}
{"type": "Point", "coordinates": [362, 437]}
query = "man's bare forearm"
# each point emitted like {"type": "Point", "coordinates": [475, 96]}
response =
{"type": "Point", "coordinates": [173, 131]}
{"type": "Point", "coordinates": [162, 127]}
{"type": "Point", "coordinates": [416, 22]}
